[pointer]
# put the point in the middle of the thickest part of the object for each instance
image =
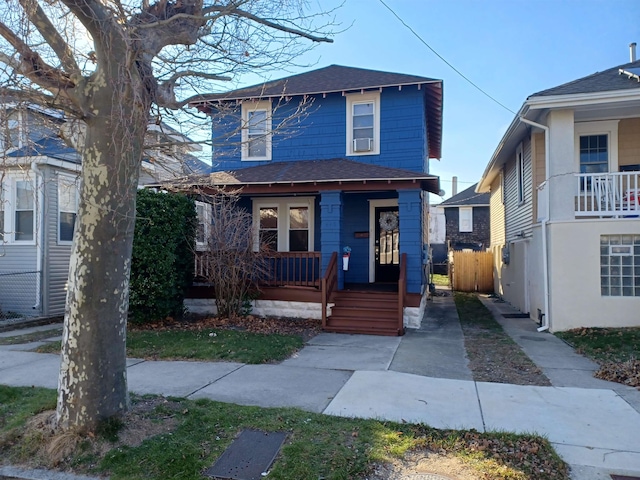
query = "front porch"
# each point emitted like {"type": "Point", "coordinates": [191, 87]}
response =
{"type": "Point", "coordinates": [296, 286]}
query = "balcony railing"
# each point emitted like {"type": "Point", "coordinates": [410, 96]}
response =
{"type": "Point", "coordinates": [608, 194]}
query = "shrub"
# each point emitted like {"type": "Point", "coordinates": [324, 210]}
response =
{"type": "Point", "coordinates": [162, 259]}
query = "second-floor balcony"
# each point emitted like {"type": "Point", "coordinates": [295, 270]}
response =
{"type": "Point", "coordinates": [611, 195]}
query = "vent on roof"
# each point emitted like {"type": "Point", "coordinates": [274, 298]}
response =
{"type": "Point", "coordinates": [631, 73]}
{"type": "Point", "coordinates": [362, 144]}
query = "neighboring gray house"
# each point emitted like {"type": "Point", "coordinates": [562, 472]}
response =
{"type": "Point", "coordinates": [38, 204]}
{"type": "Point", "coordinates": [467, 220]}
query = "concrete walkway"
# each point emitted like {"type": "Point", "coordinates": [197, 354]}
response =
{"type": "Point", "coordinates": [421, 377]}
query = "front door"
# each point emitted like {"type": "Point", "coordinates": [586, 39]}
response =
{"type": "Point", "coordinates": [387, 248]}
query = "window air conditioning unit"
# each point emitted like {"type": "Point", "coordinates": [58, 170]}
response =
{"type": "Point", "coordinates": [362, 144]}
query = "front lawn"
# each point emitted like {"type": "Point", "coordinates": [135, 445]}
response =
{"type": "Point", "coordinates": [205, 345]}
{"type": "Point", "coordinates": [617, 350]}
{"type": "Point", "coordinates": [164, 438]}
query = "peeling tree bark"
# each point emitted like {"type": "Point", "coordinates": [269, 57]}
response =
{"type": "Point", "coordinates": [92, 384]}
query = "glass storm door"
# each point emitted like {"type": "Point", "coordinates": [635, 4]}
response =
{"type": "Point", "coordinates": [387, 248]}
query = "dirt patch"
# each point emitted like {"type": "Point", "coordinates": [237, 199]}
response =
{"type": "Point", "coordinates": [416, 464]}
{"type": "Point", "coordinates": [494, 357]}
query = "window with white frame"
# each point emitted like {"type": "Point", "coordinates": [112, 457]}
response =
{"type": "Point", "coordinates": [363, 123]}
{"type": "Point", "coordinates": [67, 207]}
{"type": "Point", "coordinates": [203, 229]}
{"type": "Point", "coordinates": [620, 265]}
{"type": "Point", "coordinates": [24, 211]}
{"type": "Point", "coordinates": [465, 219]}
{"type": "Point", "coordinates": [256, 130]}
{"type": "Point", "coordinates": [520, 173]}
{"type": "Point", "coordinates": [284, 224]}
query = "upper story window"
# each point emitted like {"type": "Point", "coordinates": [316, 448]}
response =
{"type": "Point", "coordinates": [594, 153]}
{"type": "Point", "coordinates": [520, 173]}
{"type": "Point", "coordinates": [363, 123]}
{"type": "Point", "coordinates": [67, 207]}
{"type": "Point", "coordinates": [465, 219]}
{"type": "Point", "coordinates": [256, 130]}
{"type": "Point", "coordinates": [284, 224]}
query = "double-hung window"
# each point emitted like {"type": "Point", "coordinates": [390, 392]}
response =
{"type": "Point", "coordinates": [24, 213]}
{"type": "Point", "coordinates": [67, 207]}
{"type": "Point", "coordinates": [594, 154]}
{"type": "Point", "coordinates": [363, 123]}
{"type": "Point", "coordinates": [256, 130]}
{"type": "Point", "coordinates": [284, 224]}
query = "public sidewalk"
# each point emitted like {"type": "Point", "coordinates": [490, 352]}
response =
{"type": "Point", "coordinates": [421, 377]}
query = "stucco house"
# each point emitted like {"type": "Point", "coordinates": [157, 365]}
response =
{"type": "Point", "coordinates": [39, 180]}
{"type": "Point", "coordinates": [565, 217]}
{"type": "Point", "coordinates": [332, 160]}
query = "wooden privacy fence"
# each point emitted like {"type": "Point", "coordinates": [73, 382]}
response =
{"type": "Point", "coordinates": [472, 271]}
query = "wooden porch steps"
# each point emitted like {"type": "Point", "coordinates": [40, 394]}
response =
{"type": "Point", "coordinates": [365, 312]}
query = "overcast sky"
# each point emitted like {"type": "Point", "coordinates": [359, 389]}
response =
{"type": "Point", "coordinates": [509, 48]}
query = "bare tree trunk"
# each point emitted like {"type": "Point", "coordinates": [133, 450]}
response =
{"type": "Point", "coordinates": [92, 384]}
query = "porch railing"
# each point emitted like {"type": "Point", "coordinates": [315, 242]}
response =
{"type": "Point", "coordinates": [300, 269]}
{"type": "Point", "coordinates": [402, 291]}
{"type": "Point", "coordinates": [329, 284]}
{"type": "Point", "coordinates": [614, 194]}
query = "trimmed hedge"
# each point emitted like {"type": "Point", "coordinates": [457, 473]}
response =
{"type": "Point", "coordinates": [162, 259]}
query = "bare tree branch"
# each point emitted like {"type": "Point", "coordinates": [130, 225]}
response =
{"type": "Point", "coordinates": [282, 28]}
{"type": "Point", "coordinates": [33, 66]}
{"type": "Point", "coordinates": [40, 20]}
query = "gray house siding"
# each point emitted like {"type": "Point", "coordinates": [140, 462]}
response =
{"type": "Point", "coordinates": [18, 279]}
{"type": "Point", "coordinates": [518, 214]}
{"type": "Point", "coordinates": [57, 254]}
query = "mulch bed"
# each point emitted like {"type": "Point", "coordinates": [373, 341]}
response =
{"type": "Point", "coordinates": [306, 328]}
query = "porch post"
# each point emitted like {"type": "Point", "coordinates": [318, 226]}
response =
{"type": "Point", "coordinates": [562, 183]}
{"type": "Point", "coordinates": [410, 212]}
{"type": "Point", "coordinates": [331, 230]}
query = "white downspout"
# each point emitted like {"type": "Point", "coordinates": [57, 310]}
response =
{"type": "Point", "coordinates": [545, 221]}
{"type": "Point", "coordinates": [40, 233]}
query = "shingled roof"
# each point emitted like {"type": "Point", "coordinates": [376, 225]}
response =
{"type": "Point", "coordinates": [337, 78]}
{"type": "Point", "coordinates": [318, 174]}
{"type": "Point", "coordinates": [605, 81]}
{"type": "Point", "coordinates": [467, 198]}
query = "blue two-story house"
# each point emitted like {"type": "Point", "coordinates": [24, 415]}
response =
{"type": "Point", "coordinates": [332, 161]}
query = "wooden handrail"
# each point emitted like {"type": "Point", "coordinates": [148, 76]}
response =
{"type": "Point", "coordinates": [328, 285]}
{"type": "Point", "coordinates": [402, 291]}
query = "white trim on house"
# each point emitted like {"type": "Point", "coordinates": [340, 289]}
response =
{"type": "Point", "coordinates": [580, 99]}
{"type": "Point", "coordinates": [607, 127]}
{"type": "Point", "coordinates": [9, 185]}
{"type": "Point", "coordinates": [354, 99]}
{"type": "Point", "coordinates": [373, 204]}
{"type": "Point", "coordinates": [252, 107]}
{"type": "Point", "coordinates": [203, 214]}
{"type": "Point", "coordinates": [465, 219]}
{"type": "Point", "coordinates": [283, 204]}
{"type": "Point", "coordinates": [70, 181]}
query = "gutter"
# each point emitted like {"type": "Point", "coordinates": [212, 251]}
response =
{"type": "Point", "coordinates": [545, 221]}
{"type": "Point", "coordinates": [40, 233]}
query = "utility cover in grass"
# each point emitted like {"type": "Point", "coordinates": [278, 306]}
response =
{"type": "Point", "coordinates": [248, 456]}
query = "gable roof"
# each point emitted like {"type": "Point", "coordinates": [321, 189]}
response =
{"type": "Point", "coordinates": [315, 175]}
{"type": "Point", "coordinates": [53, 147]}
{"type": "Point", "coordinates": [467, 198]}
{"type": "Point", "coordinates": [605, 81]}
{"type": "Point", "coordinates": [338, 78]}
{"type": "Point", "coordinates": [606, 94]}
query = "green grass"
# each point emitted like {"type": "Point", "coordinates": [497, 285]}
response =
{"type": "Point", "coordinates": [211, 345]}
{"type": "Point", "coordinates": [441, 280]}
{"type": "Point", "coordinates": [471, 311]}
{"type": "Point", "coordinates": [317, 446]}
{"type": "Point", "coordinates": [605, 344]}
